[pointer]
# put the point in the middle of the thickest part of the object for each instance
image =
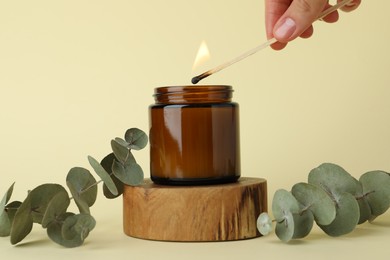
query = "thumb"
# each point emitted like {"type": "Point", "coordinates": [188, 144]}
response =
{"type": "Point", "coordinates": [297, 18]}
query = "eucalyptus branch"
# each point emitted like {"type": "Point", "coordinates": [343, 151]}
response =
{"type": "Point", "coordinates": [47, 204]}
{"type": "Point", "coordinates": [329, 198]}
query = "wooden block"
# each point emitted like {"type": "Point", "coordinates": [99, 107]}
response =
{"type": "Point", "coordinates": [194, 213]}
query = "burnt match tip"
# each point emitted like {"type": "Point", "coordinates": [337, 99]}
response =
{"type": "Point", "coordinates": [195, 80]}
{"type": "Point", "coordinates": [198, 78]}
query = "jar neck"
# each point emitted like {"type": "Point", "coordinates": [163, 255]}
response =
{"type": "Point", "coordinates": [193, 94]}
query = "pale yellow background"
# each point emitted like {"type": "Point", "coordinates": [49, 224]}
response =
{"type": "Point", "coordinates": [74, 74]}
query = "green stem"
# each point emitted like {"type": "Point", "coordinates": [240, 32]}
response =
{"type": "Point", "coordinates": [364, 195]}
{"type": "Point", "coordinates": [90, 186]}
{"type": "Point", "coordinates": [87, 188]}
{"type": "Point", "coordinates": [304, 210]}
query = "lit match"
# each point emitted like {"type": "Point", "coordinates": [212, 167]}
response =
{"type": "Point", "coordinates": [198, 78]}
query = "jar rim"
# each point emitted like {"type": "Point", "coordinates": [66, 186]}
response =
{"type": "Point", "coordinates": [193, 94]}
{"type": "Point", "coordinates": [190, 88]}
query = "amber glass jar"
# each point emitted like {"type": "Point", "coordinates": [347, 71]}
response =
{"type": "Point", "coordinates": [194, 135]}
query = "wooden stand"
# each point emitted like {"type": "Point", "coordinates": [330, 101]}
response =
{"type": "Point", "coordinates": [194, 213]}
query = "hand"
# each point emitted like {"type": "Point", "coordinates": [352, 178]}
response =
{"type": "Point", "coordinates": [288, 19]}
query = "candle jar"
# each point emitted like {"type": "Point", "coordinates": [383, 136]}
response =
{"type": "Point", "coordinates": [194, 135]}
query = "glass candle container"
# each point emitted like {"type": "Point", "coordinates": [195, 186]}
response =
{"type": "Point", "coordinates": [194, 135]}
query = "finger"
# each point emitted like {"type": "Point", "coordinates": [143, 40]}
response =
{"type": "Point", "coordinates": [273, 11]}
{"type": "Point", "coordinates": [298, 17]}
{"type": "Point", "coordinates": [351, 6]}
{"type": "Point", "coordinates": [308, 33]}
{"type": "Point", "coordinates": [332, 17]}
{"type": "Point", "coordinates": [278, 46]}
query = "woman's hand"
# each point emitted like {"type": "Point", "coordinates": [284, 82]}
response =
{"type": "Point", "coordinates": [288, 19]}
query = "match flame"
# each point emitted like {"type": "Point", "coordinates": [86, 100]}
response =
{"type": "Point", "coordinates": [202, 56]}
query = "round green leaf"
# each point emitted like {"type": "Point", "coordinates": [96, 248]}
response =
{"type": "Point", "coordinates": [107, 165]}
{"type": "Point", "coordinates": [284, 229]}
{"type": "Point", "coordinates": [7, 218]}
{"type": "Point", "coordinates": [23, 221]}
{"type": "Point", "coordinates": [32, 210]}
{"type": "Point", "coordinates": [130, 174]}
{"type": "Point", "coordinates": [347, 216]}
{"type": "Point", "coordinates": [56, 207]}
{"type": "Point", "coordinates": [121, 152]}
{"type": "Point", "coordinates": [119, 186]}
{"type": "Point", "coordinates": [83, 187]}
{"type": "Point", "coordinates": [364, 207]}
{"type": "Point", "coordinates": [41, 197]}
{"type": "Point", "coordinates": [283, 202]}
{"type": "Point", "coordinates": [77, 227]}
{"type": "Point", "coordinates": [264, 224]}
{"type": "Point", "coordinates": [54, 231]}
{"type": "Point", "coordinates": [12, 208]}
{"type": "Point", "coordinates": [122, 142]}
{"type": "Point", "coordinates": [376, 189]}
{"type": "Point", "coordinates": [136, 138]}
{"type": "Point", "coordinates": [365, 210]}
{"type": "Point", "coordinates": [5, 225]}
{"type": "Point", "coordinates": [303, 223]}
{"type": "Point", "coordinates": [5, 221]}
{"type": "Point", "coordinates": [136, 174]}
{"type": "Point", "coordinates": [316, 200]}
{"type": "Point", "coordinates": [103, 175]}
{"type": "Point", "coordinates": [6, 198]}
{"type": "Point", "coordinates": [334, 180]}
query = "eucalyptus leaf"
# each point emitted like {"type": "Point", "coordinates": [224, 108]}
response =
{"type": "Point", "coordinates": [6, 198]}
{"type": "Point", "coordinates": [130, 174]}
{"type": "Point", "coordinates": [7, 218]}
{"type": "Point", "coordinates": [5, 221]}
{"type": "Point", "coordinates": [41, 197]}
{"type": "Point", "coordinates": [83, 187]}
{"type": "Point", "coordinates": [130, 159]}
{"type": "Point", "coordinates": [54, 231]}
{"type": "Point", "coordinates": [334, 180]}
{"type": "Point", "coordinates": [103, 174]}
{"type": "Point", "coordinates": [122, 142]}
{"type": "Point", "coordinates": [365, 210]}
{"type": "Point", "coordinates": [283, 203]}
{"type": "Point", "coordinates": [77, 227]}
{"type": "Point", "coordinates": [23, 221]}
{"type": "Point", "coordinates": [5, 225]}
{"type": "Point", "coordinates": [264, 224]}
{"type": "Point", "coordinates": [136, 138]}
{"type": "Point", "coordinates": [347, 216]}
{"type": "Point", "coordinates": [294, 225]}
{"type": "Point", "coordinates": [284, 229]}
{"type": "Point", "coordinates": [364, 207]}
{"type": "Point", "coordinates": [303, 223]}
{"type": "Point", "coordinates": [136, 174]}
{"type": "Point", "coordinates": [292, 221]}
{"type": "Point", "coordinates": [376, 188]}
{"type": "Point", "coordinates": [315, 200]}
{"type": "Point", "coordinates": [13, 206]}
{"type": "Point", "coordinates": [107, 163]}
{"type": "Point", "coordinates": [121, 152]}
{"type": "Point", "coordinates": [56, 207]}
{"type": "Point", "coordinates": [119, 186]}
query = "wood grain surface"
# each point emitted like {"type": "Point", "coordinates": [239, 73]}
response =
{"type": "Point", "coordinates": [194, 213]}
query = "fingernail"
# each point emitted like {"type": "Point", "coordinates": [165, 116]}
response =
{"type": "Point", "coordinates": [286, 29]}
